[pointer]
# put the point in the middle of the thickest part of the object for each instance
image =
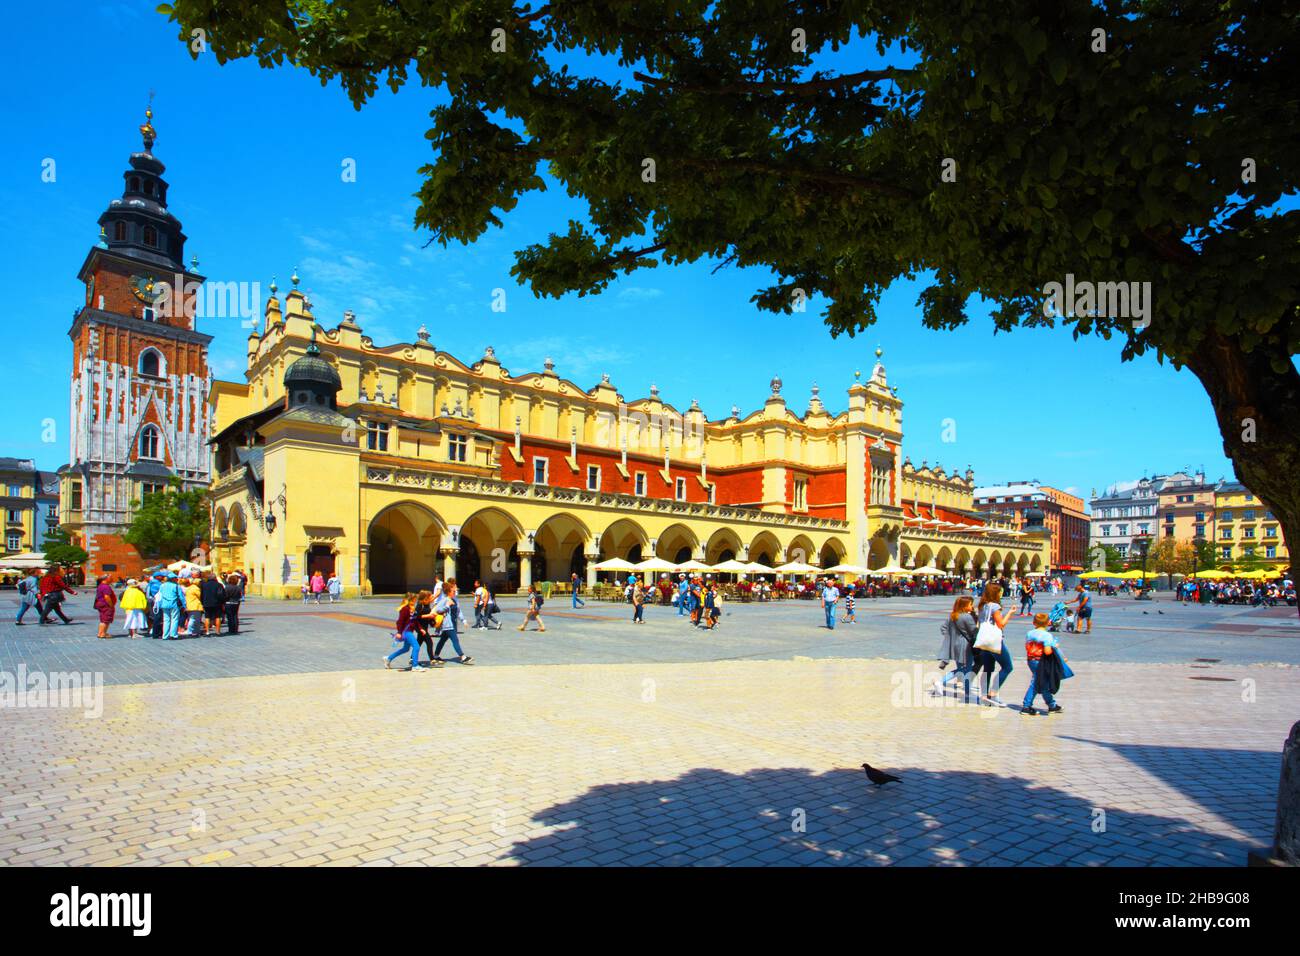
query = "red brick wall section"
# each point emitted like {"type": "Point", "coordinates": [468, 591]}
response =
{"type": "Point", "coordinates": [743, 487]}
{"type": "Point", "coordinates": [111, 549]}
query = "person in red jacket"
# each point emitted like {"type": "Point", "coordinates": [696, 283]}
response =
{"type": "Point", "coordinates": [52, 589]}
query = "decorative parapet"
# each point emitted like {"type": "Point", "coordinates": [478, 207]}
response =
{"type": "Point", "coordinates": [494, 488]}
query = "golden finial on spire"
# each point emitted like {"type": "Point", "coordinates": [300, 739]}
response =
{"type": "Point", "coordinates": [146, 128]}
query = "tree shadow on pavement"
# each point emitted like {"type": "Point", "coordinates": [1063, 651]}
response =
{"type": "Point", "coordinates": [1240, 786]}
{"type": "Point", "coordinates": [711, 817]}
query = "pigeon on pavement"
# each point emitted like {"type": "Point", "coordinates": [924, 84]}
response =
{"type": "Point", "coordinates": [879, 777]}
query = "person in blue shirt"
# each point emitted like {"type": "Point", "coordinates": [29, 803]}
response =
{"type": "Point", "coordinates": [170, 600]}
{"type": "Point", "coordinates": [830, 594]}
{"type": "Point", "coordinates": [683, 588]}
{"type": "Point", "coordinates": [155, 614]}
{"type": "Point", "coordinates": [1039, 643]}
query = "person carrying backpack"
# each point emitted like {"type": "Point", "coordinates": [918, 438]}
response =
{"type": "Point", "coordinates": [534, 612]}
{"type": "Point", "coordinates": [29, 595]}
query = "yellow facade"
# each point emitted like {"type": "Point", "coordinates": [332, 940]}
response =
{"type": "Point", "coordinates": [18, 485]}
{"type": "Point", "coordinates": [420, 464]}
{"type": "Point", "coordinates": [1244, 526]}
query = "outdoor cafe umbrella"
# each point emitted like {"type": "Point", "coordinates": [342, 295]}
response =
{"type": "Point", "coordinates": [655, 564]}
{"type": "Point", "coordinates": [849, 569]}
{"type": "Point", "coordinates": [929, 570]}
{"type": "Point", "coordinates": [796, 567]}
{"type": "Point", "coordinates": [615, 564]}
{"type": "Point", "coordinates": [1093, 575]}
{"type": "Point", "coordinates": [1213, 575]}
{"type": "Point", "coordinates": [732, 567]}
{"type": "Point", "coordinates": [694, 565]}
{"type": "Point", "coordinates": [892, 570]}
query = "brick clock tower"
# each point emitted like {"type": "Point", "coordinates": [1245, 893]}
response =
{"type": "Point", "coordinates": [140, 374]}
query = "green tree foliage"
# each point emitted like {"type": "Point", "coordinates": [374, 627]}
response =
{"type": "Point", "coordinates": [988, 148]}
{"type": "Point", "coordinates": [168, 522]}
{"type": "Point", "coordinates": [59, 549]}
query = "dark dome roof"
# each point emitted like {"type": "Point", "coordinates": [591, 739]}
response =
{"type": "Point", "coordinates": [312, 370]}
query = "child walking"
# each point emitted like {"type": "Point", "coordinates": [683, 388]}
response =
{"type": "Point", "coordinates": [849, 604]}
{"type": "Point", "coordinates": [1045, 660]}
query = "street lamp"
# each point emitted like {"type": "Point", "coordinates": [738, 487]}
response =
{"type": "Point", "coordinates": [1143, 543]}
{"type": "Point", "coordinates": [1197, 543]}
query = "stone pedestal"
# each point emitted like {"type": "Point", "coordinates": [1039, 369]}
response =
{"type": "Point", "coordinates": [1286, 832]}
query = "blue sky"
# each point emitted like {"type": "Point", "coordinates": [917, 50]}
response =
{"type": "Point", "coordinates": [254, 160]}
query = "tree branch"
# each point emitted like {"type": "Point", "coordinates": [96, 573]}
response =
{"type": "Point", "coordinates": [826, 177]}
{"type": "Point", "coordinates": [791, 88]}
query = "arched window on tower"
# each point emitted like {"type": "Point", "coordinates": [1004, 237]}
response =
{"type": "Point", "coordinates": [150, 236]}
{"type": "Point", "coordinates": [151, 363]}
{"type": "Point", "coordinates": [150, 443]}
{"type": "Point", "coordinates": [133, 184]}
{"type": "Point", "coordinates": [119, 232]}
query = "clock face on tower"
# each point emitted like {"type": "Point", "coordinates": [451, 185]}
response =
{"type": "Point", "coordinates": [143, 288]}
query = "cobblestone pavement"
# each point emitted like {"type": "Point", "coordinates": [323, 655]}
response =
{"type": "Point", "coordinates": [286, 637]}
{"type": "Point", "coordinates": [289, 743]}
{"type": "Point", "coordinates": [745, 762]}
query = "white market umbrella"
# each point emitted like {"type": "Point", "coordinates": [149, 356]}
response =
{"type": "Point", "coordinates": [755, 568]}
{"type": "Point", "coordinates": [929, 569]}
{"type": "Point", "coordinates": [732, 567]}
{"type": "Point", "coordinates": [796, 567]}
{"type": "Point", "coordinates": [693, 565]}
{"type": "Point", "coordinates": [654, 564]}
{"type": "Point", "coordinates": [615, 564]}
{"type": "Point", "coordinates": [892, 570]}
{"type": "Point", "coordinates": [849, 569]}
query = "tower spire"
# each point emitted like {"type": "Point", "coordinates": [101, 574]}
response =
{"type": "Point", "coordinates": [146, 128]}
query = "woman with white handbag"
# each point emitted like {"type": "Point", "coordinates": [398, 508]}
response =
{"type": "Point", "coordinates": [990, 644]}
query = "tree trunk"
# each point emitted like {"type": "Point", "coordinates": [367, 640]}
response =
{"type": "Point", "coordinates": [1258, 409]}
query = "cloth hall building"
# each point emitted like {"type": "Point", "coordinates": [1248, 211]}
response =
{"type": "Point", "coordinates": [390, 463]}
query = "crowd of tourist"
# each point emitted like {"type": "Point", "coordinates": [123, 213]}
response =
{"type": "Point", "coordinates": [166, 605]}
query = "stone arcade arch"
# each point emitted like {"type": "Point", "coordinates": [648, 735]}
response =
{"type": "Point", "coordinates": [404, 540]}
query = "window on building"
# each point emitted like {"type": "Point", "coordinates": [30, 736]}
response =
{"type": "Point", "coordinates": [1226, 534]}
{"type": "Point", "coordinates": [593, 478]}
{"type": "Point", "coordinates": [1121, 550]}
{"type": "Point", "coordinates": [800, 494]}
{"type": "Point", "coordinates": [679, 489]}
{"type": "Point", "coordinates": [150, 236]}
{"type": "Point", "coordinates": [377, 436]}
{"type": "Point", "coordinates": [133, 184]}
{"type": "Point", "coordinates": [74, 496]}
{"type": "Point", "coordinates": [1270, 531]}
{"type": "Point", "coordinates": [119, 232]}
{"type": "Point", "coordinates": [639, 483]}
{"type": "Point", "coordinates": [1105, 531]}
{"type": "Point", "coordinates": [1144, 528]}
{"type": "Point", "coordinates": [150, 442]}
{"type": "Point", "coordinates": [457, 447]}
{"type": "Point", "coordinates": [1225, 515]}
{"type": "Point", "coordinates": [1123, 531]}
{"type": "Point", "coordinates": [147, 313]}
{"type": "Point", "coordinates": [150, 363]}
{"type": "Point", "coordinates": [1248, 552]}
{"type": "Point", "coordinates": [1200, 531]}
{"type": "Point", "coordinates": [1248, 515]}
{"type": "Point", "coordinates": [1225, 554]}
{"type": "Point", "coordinates": [1169, 531]}
{"type": "Point", "coordinates": [541, 469]}
{"type": "Point", "coordinates": [13, 516]}
{"type": "Point", "coordinates": [15, 491]}
{"type": "Point", "coordinates": [1249, 497]}
{"type": "Point", "coordinates": [150, 488]}
{"type": "Point", "coordinates": [13, 541]}
{"type": "Point", "coordinates": [1248, 532]}
{"type": "Point", "coordinates": [1268, 516]}
{"type": "Point", "coordinates": [1200, 516]}
{"type": "Point", "coordinates": [1270, 551]}
{"type": "Point", "coordinates": [713, 494]}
